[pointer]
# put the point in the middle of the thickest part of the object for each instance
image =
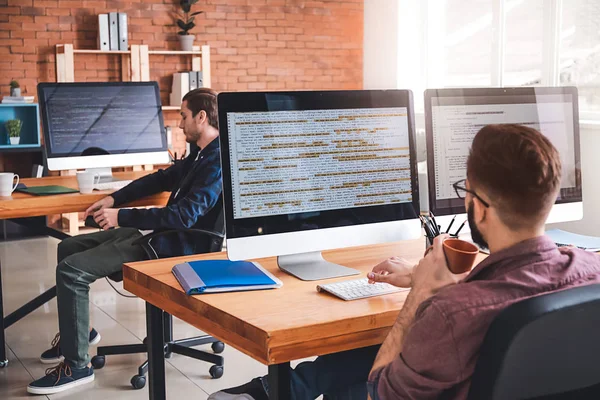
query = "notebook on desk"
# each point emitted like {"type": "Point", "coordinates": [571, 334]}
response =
{"type": "Point", "coordinates": [48, 190]}
{"type": "Point", "coordinates": [212, 276]}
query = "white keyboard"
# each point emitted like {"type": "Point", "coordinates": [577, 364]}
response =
{"type": "Point", "coordinates": [111, 185]}
{"type": "Point", "coordinates": [358, 289]}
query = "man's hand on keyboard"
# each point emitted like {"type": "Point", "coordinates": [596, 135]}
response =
{"type": "Point", "coordinates": [106, 202]}
{"type": "Point", "coordinates": [396, 271]}
{"type": "Point", "coordinates": [107, 218]}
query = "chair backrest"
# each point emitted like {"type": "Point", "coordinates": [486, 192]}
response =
{"type": "Point", "coordinates": [545, 345]}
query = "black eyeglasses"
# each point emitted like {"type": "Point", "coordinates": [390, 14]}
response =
{"type": "Point", "coordinates": [460, 188]}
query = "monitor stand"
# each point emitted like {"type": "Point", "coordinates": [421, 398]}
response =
{"type": "Point", "coordinates": [105, 174]}
{"type": "Point", "coordinates": [312, 267]}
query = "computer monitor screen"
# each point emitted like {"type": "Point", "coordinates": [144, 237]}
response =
{"type": "Point", "coordinates": [454, 116]}
{"type": "Point", "coordinates": [308, 171]}
{"type": "Point", "coordinates": [89, 125]}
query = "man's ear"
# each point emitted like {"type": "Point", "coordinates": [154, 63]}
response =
{"type": "Point", "coordinates": [480, 211]}
{"type": "Point", "coordinates": [200, 117]}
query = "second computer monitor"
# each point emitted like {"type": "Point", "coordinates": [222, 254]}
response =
{"type": "Point", "coordinates": [454, 116]}
{"type": "Point", "coordinates": [102, 124]}
{"type": "Point", "coordinates": [310, 171]}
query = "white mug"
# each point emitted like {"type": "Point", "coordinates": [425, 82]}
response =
{"type": "Point", "coordinates": [6, 183]}
{"type": "Point", "coordinates": [86, 181]}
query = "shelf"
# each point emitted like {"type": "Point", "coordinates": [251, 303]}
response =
{"type": "Point", "coordinates": [171, 108]}
{"type": "Point", "coordinates": [176, 52]}
{"type": "Point", "coordinates": [101, 51]}
{"type": "Point", "coordinates": [20, 148]}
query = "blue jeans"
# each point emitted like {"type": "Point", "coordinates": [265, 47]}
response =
{"type": "Point", "coordinates": [339, 376]}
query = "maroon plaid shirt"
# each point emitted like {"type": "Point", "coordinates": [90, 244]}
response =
{"type": "Point", "coordinates": [441, 347]}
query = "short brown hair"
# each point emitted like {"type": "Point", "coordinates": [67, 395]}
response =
{"type": "Point", "coordinates": [203, 99]}
{"type": "Point", "coordinates": [519, 169]}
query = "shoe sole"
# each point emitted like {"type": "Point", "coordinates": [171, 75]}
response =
{"type": "Point", "coordinates": [61, 388]}
{"type": "Point", "coordinates": [57, 360]}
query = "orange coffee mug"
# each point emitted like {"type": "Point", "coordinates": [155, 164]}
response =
{"type": "Point", "coordinates": [460, 255]}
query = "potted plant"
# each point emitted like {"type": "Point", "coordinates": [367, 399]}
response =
{"type": "Point", "coordinates": [15, 89]}
{"type": "Point", "coordinates": [13, 126]}
{"type": "Point", "coordinates": [185, 22]}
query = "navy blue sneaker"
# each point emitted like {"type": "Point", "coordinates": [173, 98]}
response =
{"type": "Point", "coordinates": [54, 355]}
{"type": "Point", "coordinates": [60, 378]}
{"type": "Point", "coordinates": [253, 390]}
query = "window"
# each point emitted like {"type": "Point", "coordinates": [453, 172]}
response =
{"type": "Point", "coordinates": [580, 51]}
{"type": "Point", "coordinates": [470, 43]}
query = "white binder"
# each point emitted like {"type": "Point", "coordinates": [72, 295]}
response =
{"type": "Point", "coordinates": [122, 17]}
{"type": "Point", "coordinates": [180, 87]}
{"type": "Point", "coordinates": [103, 35]}
{"type": "Point", "coordinates": [114, 30]}
{"type": "Point", "coordinates": [193, 80]}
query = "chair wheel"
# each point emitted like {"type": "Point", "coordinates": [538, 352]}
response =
{"type": "Point", "coordinates": [145, 341]}
{"type": "Point", "coordinates": [98, 362]}
{"type": "Point", "coordinates": [4, 364]}
{"type": "Point", "coordinates": [216, 371]}
{"type": "Point", "coordinates": [218, 347]}
{"type": "Point", "coordinates": [138, 381]}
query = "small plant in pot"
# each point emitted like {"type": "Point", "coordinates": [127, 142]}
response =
{"type": "Point", "coordinates": [185, 22]}
{"type": "Point", "coordinates": [13, 127]}
{"type": "Point", "coordinates": [15, 88]}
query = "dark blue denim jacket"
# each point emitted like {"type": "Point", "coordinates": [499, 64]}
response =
{"type": "Point", "coordinates": [195, 201]}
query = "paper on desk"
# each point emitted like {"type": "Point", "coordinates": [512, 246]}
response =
{"type": "Point", "coordinates": [589, 243]}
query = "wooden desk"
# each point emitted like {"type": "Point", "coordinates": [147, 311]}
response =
{"type": "Point", "coordinates": [271, 326]}
{"type": "Point", "coordinates": [21, 205]}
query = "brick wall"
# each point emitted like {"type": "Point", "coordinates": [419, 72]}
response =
{"type": "Point", "coordinates": [256, 44]}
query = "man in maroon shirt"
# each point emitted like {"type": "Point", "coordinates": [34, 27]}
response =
{"type": "Point", "coordinates": [513, 178]}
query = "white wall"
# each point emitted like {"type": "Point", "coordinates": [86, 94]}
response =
{"type": "Point", "coordinates": [590, 168]}
{"type": "Point", "coordinates": [380, 54]}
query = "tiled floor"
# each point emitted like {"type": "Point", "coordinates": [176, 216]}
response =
{"type": "Point", "coordinates": [28, 269]}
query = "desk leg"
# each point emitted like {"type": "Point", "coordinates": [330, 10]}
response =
{"type": "Point", "coordinates": [279, 382]}
{"type": "Point", "coordinates": [156, 352]}
{"type": "Point", "coordinates": [3, 358]}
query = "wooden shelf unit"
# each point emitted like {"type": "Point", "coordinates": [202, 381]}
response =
{"type": "Point", "coordinates": [135, 63]}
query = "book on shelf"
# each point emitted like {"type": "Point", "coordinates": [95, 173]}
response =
{"type": "Point", "coordinates": [17, 99]}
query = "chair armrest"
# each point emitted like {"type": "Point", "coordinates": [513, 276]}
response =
{"type": "Point", "coordinates": [145, 240]}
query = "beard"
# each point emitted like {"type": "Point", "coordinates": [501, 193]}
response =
{"type": "Point", "coordinates": [475, 232]}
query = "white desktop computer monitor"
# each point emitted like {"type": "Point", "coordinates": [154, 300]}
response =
{"type": "Point", "coordinates": [310, 171]}
{"type": "Point", "coordinates": [102, 125]}
{"type": "Point", "coordinates": [454, 116]}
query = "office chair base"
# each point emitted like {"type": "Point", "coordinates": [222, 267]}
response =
{"type": "Point", "coordinates": [4, 364]}
{"type": "Point", "coordinates": [182, 347]}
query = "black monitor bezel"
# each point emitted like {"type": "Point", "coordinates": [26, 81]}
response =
{"type": "Point", "coordinates": [315, 100]}
{"type": "Point", "coordinates": [45, 126]}
{"type": "Point", "coordinates": [457, 206]}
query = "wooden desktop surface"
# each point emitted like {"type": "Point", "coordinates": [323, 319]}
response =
{"type": "Point", "coordinates": [280, 325]}
{"type": "Point", "coordinates": [26, 205]}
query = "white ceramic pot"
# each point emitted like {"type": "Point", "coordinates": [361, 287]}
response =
{"type": "Point", "coordinates": [15, 92]}
{"type": "Point", "coordinates": [186, 42]}
{"type": "Point", "coordinates": [15, 140]}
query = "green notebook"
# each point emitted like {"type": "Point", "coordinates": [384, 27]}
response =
{"type": "Point", "coordinates": [47, 190]}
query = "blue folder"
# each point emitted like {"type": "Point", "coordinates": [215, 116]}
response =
{"type": "Point", "coordinates": [211, 276]}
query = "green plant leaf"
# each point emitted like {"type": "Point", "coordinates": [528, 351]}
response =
{"type": "Point", "coordinates": [186, 7]}
{"type": "Point", "coordinates": [190, 26]}
{"type": "Point", "coordinates": [182, 25]}
{"type": "Point", "coordinates": [196, 13]}
{"type": "Point", "coordinates": [182, 33]}
{"type": "Point", "coordinates": [193, 1]}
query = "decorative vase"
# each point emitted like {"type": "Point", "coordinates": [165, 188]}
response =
{"type": "Point", "coordinates": [15, 92]}
{"type": "Point", "coordinates": [15, 140]}
{"type": "Point", "coordinates": [186, 42]}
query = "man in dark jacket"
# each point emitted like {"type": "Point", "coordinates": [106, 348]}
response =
{"type": "Point", "coordinates": [195, 202]}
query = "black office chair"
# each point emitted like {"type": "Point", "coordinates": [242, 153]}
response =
{"type": "Point", "coordinates": [544, 347]}
{"type": "Point", "coordinates": [214, 242]}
